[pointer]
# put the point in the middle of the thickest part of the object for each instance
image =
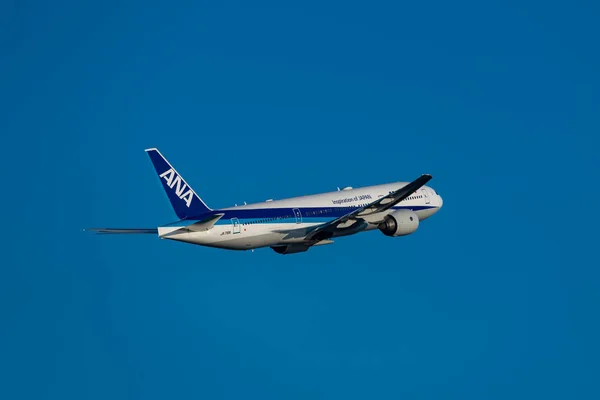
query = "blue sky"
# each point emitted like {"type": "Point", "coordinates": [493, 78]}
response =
{"type": "Point", "coordinates": [494, 297]}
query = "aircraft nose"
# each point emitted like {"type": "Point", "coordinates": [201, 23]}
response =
{"type": "Point", "coordinates": [440, 201]}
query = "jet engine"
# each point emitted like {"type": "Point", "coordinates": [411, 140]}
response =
{"type": "Point", "coordinates": [400, 223]}
{"type": "Point", "coordinates": [290, 248]}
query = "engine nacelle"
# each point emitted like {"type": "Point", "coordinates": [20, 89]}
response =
{"type": "Point", "coordinates": [400, 223]}
{"type": "Point", "coordinates": [290, 248]}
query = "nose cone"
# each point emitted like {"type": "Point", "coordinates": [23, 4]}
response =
{"type": "Point", "coordinates": [440, 201]}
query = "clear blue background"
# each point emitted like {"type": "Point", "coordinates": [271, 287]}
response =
{"type": "Point", "coordinates": [496, 296]}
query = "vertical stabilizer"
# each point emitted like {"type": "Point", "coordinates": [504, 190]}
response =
{"type": "Point", "coordinates": [183, 198]}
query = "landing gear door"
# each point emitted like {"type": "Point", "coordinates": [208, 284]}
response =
{"type": "Point", "coordinates": [235, 225]}
{"type": "Point", "coordinates": [298, 215]}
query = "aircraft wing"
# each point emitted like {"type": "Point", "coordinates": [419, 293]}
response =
{"type": "Point", "coordinates": [122, 231]}
{"type": "Point", "coordinates": [324, 231]}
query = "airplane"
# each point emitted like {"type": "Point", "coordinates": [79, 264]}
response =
{"type": "Point", "coordinates": [291, 225]}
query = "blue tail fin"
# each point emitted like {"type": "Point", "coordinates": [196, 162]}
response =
{"type": "Point", "coordinates": [184, 200]}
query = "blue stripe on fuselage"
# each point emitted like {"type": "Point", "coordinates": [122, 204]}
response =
{"type": "Point", "coordinates": [284, 215]}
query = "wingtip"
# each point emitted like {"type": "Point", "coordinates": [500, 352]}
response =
{"type": "Point", "coordinates": [151, 149]}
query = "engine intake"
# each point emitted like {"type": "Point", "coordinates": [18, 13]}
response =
{"type": "Point", "coordinates": [400, 223]}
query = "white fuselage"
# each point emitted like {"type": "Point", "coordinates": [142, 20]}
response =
{"type": "Point", "coordinates": [281, 222]}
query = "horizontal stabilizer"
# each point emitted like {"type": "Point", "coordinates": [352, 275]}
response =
{"type": "Point", "coordinates": [205, 224]}
{"type": "Point", "coordinates": [122, 231]}
{"type": "Point", "coordinates": [190, 226]}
